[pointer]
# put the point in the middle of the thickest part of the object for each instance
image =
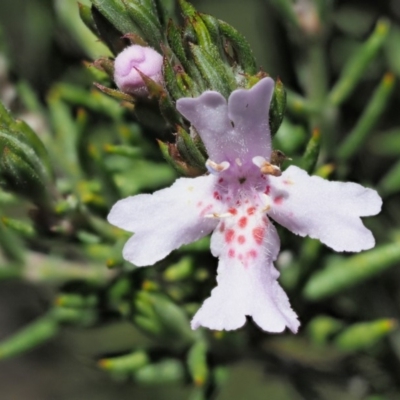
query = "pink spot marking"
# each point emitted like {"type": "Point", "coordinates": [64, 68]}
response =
{"type": "Point", "coordinates": [229, 234]}
{"type": "Point", "coordinates": [251, 210]}
{"type": "Point", "coordinates": [267, 190]}
{"type": "Point", "coordinates": [222, 227]}
{"type": "Point", "coordinates": [252, 253]}
{"type": "Point", "coordinates": [220, 180]}
{"type": "Point", "coordinates": [258, 234]}
{"type": "Point", "coordinates": [278, 200]}
{"type": "Point", "coordinates": [238, 203]}
{"type": "Point", "coordinates": [241, 239]}
{"type": "Point", "coordinates": [233, 211]}
{"type": "Point", "coordinates": [240, 257]}
{"type": "Point", "coordinates": [199, 204]}
{"type": "Point", "coordinates": [231, 253]}
{"type": "Point", "coordinates": [242, 222]}
{"type": "Point", "coordinates": [217, 196]}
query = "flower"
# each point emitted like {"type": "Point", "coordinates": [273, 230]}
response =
{"type": "Point", "coordinates": [133, 59]}
{"type": "Point", "coordinates": [233, 201]}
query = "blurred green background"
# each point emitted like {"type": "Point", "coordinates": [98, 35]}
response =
{"type": "Point", "coordinates": [43, 42]}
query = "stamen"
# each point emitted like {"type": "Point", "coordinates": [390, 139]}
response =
{"type": "Point", "coordinates": [267, 202]}
{"type": "Point", "coordinates": [214, 168]}
{"type": "Point", "coordinates": [266, 168]}
{"type": "Point", "coordinates": [216, 215]}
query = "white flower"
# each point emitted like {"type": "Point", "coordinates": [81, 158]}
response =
{"type": "Point", "coordinates": [234, 201]}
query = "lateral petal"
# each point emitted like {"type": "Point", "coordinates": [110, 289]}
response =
{"type": "Point", "coordinates": [324, 210]}
{"type": "Point", "coordinates": [165, 220]}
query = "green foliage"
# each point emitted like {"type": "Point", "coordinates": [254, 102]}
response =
{"type": "Point", "coordinates": [69, 152]}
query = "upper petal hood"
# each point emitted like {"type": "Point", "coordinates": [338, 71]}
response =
{"type": "Point", "coordinates": [237, 129]}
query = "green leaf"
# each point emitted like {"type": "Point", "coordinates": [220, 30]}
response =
{"type": "Point", "coordinates": [369, 118]}
{"type": "Point", "coordinates": [31, 336]}
{"type": "Point", "coordinates": [163, 372]}
{"type": "Point", "coordinates": [363, 335]}
{"type": "Point", "coordinates": [147, 22]}
{"type": "Point", "coordinates": [197, 363]}
{"type": "Point", "coordinates": [390, 182]}
{"type": "Point", "coordinates": [115, 12]}
{"type": "Point", "coordinates": [355, 67]}
{"type": "Point", "coordinates": [346, 272]}
{"type": "Point", "coordinates": [127, 363]}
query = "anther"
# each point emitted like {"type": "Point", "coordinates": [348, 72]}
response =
{"type": "Point", "coordinates": [214, 168]}
{"type": "Point", "coordinates": [266, 168]}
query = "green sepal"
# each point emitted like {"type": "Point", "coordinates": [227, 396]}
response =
{"type": "Point", "coordinates": [105, 64]}
{"type": "Point", "coordinates": [166, 105]}
{"type": "Point", "coordinates": [212, 25]}
{"type": "Point", "coordinates": [346, 272]}
{"type": "Point", "coordinates": [85, 13]}
{"type": "Point", "coordinates": [243, 51]}
{"type": "Point", "coordinates": [213, 71]}
{"type": "Point", "coordinates": [171, 80]}
{"type": "Point", "coordinates": [174, 39]}
{"type": "Point", "coordinates": [116, 94]}
{"type": "Point", "coordinates": [193, 154]}
{"type": "Point", "coordinates": [355, 67]}
{"type": "Point", "coordinates": [278, 107]}
{"type": "Point", "coordinates": [127, 363]}
{"type": "Point", "coordinates": [197, 363]}
{"type": "Point", "coordinates": [146, 20]}
{"type": "Point", "coordinates": [173, 157]}
{"type": "Point", "coordinates": [186, 84]}
{"type": "Point", "coordinates": [364, 335]}
{"type": "Point", "coordinates": [203, 37]}
{"type": "Point", "coordinates": [310, 156]}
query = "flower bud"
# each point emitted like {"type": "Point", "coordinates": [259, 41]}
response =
{"type": "Point", "coordinates": [132, 60]}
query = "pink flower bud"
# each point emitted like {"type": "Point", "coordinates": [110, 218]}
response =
{"type": "Point", "coordinates": [132, 59]}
